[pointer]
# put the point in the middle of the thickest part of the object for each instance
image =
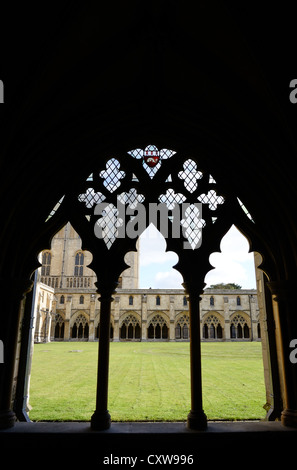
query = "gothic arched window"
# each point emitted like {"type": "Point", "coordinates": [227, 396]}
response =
{"type": "Point", "coordinates": [59, 327]}
{"type": "Point", "coordinates": [130, 328]}
{"type": "Point", "coordinates": [79, 264]}
{"type": "Point", "coordinates": [46, 263]}
{"type": "Point", "coordinates": [212, 328]}
{"type": "Point", "coordinates": [182, 328]}
{"type": "Point", "coordinates": [158, 328]}
{"type": "Point", "coordinates": [239, 328]}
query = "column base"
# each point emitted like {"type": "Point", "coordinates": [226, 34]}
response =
{"type": "Point", "coordinates": [289, 418]}
{"type": "Point", "coordinates": [100, 420]}
{"type": "Point", "coordinates": [197, 420]}
{"type": "Point", "coordinates": [7, 419]}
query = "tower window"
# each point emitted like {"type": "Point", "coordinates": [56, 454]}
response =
{"type": "Point", "coordinates": [131, 300]}
{"type": "Point", "coordinates": [46, 263]}
{"type": "Point", "coordinates": [158, 300]}
{"type": "Point", "coordinates": [79, 264]}
{"type": "Point", "coordinates": [211, 300]}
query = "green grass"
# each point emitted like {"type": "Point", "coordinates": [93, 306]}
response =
{"type": "Point", "coordinates": [148, 381]}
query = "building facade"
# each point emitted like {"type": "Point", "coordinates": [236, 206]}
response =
{"type": "Point", "coordinates": [67, 307]}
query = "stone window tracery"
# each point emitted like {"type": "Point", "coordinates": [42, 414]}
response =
{"type": "Point", "coordinates": [130, 328]}
{"type": "Point", "coordinates": [46, 263]}
{"type": "Point", "coordinates": [118, 181]}
{"type": "Point", "coordinates": [239, 328]}
{"type": "Point", "coordinates": [59, 327]}
{"type": "Point", "coordinates": [182, 327]}
{"type": "Point", "coordinates": [80, 328]}
{"type": "Point", "coordinates": [79, 264]}
{"type": "Point", "coordinates": [157, 328]}
{"type": "Point", "coordinates": [212, 328]}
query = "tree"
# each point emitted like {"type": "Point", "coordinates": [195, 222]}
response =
{"type": "Point", "coordinates": [222, 285]}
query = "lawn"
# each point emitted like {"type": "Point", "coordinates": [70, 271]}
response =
{"type": "Point", "coordinates": [148, 381]}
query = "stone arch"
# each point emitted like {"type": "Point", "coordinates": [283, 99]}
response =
{"type": "Point", "coordinates": [79, 326]}
{"type": "Point", "coordinates": [158, 327]}
{"type": "Point", "coordinates": [59, 326]}
{"type": "Point", "coordinates": [182, 324]}
{"type": "Point", "coordinates": [240, 325]}
{"type": "Point", "coordinates": [212, 326]}
{"type": "Point", "coordinates": [130, 327]}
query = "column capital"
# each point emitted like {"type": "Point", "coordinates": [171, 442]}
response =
{"type": "Point", "coordinates": [106, 289]}
{"type": "Point", "coordinates": [193, 289]}
{"type": "Point", "coordinates": [289, 418]}
{"type": "Point", "coordinates": [18, 287]}
{"type": "Point", "coordinates": [282, 289]}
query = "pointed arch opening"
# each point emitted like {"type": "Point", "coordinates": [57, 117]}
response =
{"type": "Point", "coordinates": [157, 326]}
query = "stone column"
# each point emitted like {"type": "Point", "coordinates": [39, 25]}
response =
{"type": "Point", "coordinates": [253, 316]}
{"type": "Point", "coordinates": [48, 326]}
{"type": "Point", "coordinates": [172, 318]}
{"type": "Point", "coordinates": [144, 317]}
{"type": "Point", "coordinates": [284, 293]}
{"type": "Point", "coordinates": [101, 418]}
{"type": "Point", "coordinates": [196, 418]}
{"type": "Point", "coordinates": [92, 318]}
{"type": "Point", "coordinates": [226, 335]}
{"type": "Point", "coordinates": [67, 317]}
{"type": "Point", "coordinates": [116, 318]}
{"type": "Point", "coordinates": [13, 290]}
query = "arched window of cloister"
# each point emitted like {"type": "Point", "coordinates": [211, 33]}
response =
{"type": "Point", "coordinates": [212, 328]}
{"type": "Point", "coordinates": [130, 328]}
{"type": "Point", "coordinates": [192, 204]}
{"type": "Point", "coordinates": [239, 328]}
{"type": "Point", "coordinates": [182, 327]}
{"type": "Point", "coordinates": [59, 327]}
{"type": "Point", "coordinates": [157, 328]}
{"type": "Point", "coordinates": [80, 328]}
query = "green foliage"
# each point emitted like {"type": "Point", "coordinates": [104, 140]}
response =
{"type": "Point", "coordinates": [222, 285]}
{"type": "Point", "coordinates": [148, 381]}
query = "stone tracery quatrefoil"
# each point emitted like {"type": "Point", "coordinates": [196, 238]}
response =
{"type": "Point", "coordinates": [112, 175]}
{"type": "Point", "coordinates": [190, 175]}
{"type": "Point", "coordinates": [90, 197]}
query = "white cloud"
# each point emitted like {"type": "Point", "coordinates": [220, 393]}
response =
{"type": "Point", "coordinates": [152, 248]}
{"type": "Point", "coordinates": [168, 280]}
{"type": "Point", "coordinates": [234, 264]}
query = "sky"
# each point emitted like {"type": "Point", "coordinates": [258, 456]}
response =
{"type": "Point", "coordinates": [233, 264]}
